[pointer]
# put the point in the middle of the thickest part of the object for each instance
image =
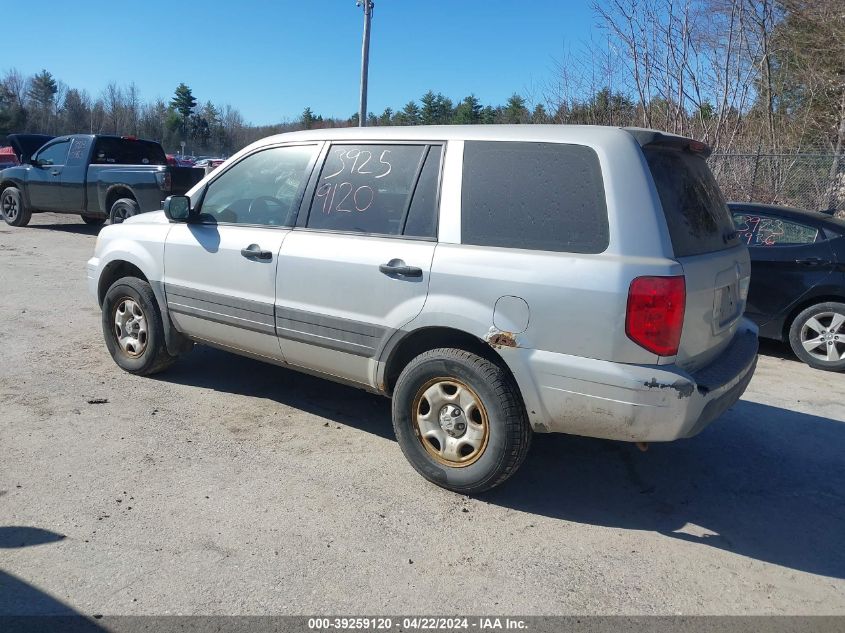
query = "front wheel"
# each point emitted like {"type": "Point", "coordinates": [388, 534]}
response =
{"type": "Point", "coordinates": [817, 336]}
{"type": "Point", "coordinates": [123, 209]}
{"type": "Point", "coordinates": [460, 421]}
{"type": "Point", "coordinates": [12, 208]}
{"type": "Point", "coordinates": [133, 328]}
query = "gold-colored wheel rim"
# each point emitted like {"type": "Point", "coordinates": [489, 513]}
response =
{"type": "Point", "coordinates": [450, 422]}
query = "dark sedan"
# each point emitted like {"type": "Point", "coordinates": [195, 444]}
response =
{"type": "Point", "coordinates": [797, 291]}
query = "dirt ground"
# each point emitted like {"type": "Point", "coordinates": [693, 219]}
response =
{"type": "Point", "coordinates": [225, 486]}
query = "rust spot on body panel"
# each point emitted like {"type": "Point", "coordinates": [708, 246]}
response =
{"type": "Point", "coordinates": [500, 339]}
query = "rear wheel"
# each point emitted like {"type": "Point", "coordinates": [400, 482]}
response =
{"type": "Point", "coordinates": [133, 328]}
{"type": "Point", "coordinates": [817, 336]}
{"type": "Point", "coordinates": [460, 421]}
{"type": "Point", "coordinates": [12, 208]}
{"type": "Point", "coordinates": [123, 209]}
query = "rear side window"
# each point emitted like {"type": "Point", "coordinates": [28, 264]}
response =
{"type": "Point", "coordinates": [369, 189]}
{"type": "Point", "coordinates": [121, 151]}
{"type": "Point", "coordinates": [698, 218]}
{"type": "Point", "coordinates": [541, 196]}
{"type": "Point", "coordinates": [761, 230]}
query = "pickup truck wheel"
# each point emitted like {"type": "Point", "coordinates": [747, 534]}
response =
{"type": "Point", "coordinates": [817, 336]}
{"type": "Point", "coordinates": [12, 208]}
{"type": "Point", "coordinates": [133, 328]}
{"type": "Point", "coordinates": [90, 220]}
{"type": "Point", "coordinates": [122, 209]}
{"type": "Point", "coordinates": [460, 421]}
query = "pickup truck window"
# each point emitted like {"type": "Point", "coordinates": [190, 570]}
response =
{"type": "Point", "coordinates": [55, 154]}
{"type": "Point", "coordinates": [113, 150]}
{"type": "Point", "coordinates": [366, 188]}
{"type": "Point", "coordinates": [264, 188]}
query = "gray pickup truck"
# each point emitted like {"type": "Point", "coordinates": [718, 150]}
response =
{"type": "Point", "coordinates": [98, 177]}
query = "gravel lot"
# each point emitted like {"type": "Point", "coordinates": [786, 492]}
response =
{"type": "Point", "coordinates": [225, 486]}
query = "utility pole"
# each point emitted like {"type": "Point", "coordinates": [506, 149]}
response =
{"type": "Point", "coordinates": [365, 60]}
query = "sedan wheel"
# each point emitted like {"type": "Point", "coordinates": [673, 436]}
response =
{"type": "Point", "coordinates": [817, 336]}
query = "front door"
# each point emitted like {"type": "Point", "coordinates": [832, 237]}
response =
{"type": "Point", "coordinates": [220, 268]}
{"type": "Point", "coordinates": [44, 179]}
{"type": "Point", "coordinates": [357, 268]}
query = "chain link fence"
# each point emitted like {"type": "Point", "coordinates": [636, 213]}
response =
{"type": "Point", "coordinates": [813, 181]}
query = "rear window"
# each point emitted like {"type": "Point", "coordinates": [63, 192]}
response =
{"type": "Point", "coordinates": [696, 213]}
{"type": "Point", "coordinates": [540, 196]}
{"type": "Point", "coordinates": [121, 151]}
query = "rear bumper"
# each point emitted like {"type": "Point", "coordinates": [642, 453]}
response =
{"type": "Point", "coordinates": [643, 403]}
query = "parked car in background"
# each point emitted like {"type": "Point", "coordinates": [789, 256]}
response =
{"type": "Point", "coordinates": [98, 177]}
{"type": "Point", "coordinates": [797, 289]}
{"type": "Point", "coordinates": [209, 164]}
{"type": "Point", "coordinates": [8, 158]}
{"type": "Point", "coordinates": [493, 280]}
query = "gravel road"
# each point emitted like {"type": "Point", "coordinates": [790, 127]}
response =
{"type": "Point", "coordinates": [226, 486]}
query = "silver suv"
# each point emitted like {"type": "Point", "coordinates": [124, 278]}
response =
{"type": "Point", "coordinates": [492, 280]}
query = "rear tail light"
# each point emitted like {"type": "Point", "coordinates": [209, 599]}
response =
{"type": "Point", "coordinates": [165, 182]}
{"type": "Point", "coordinates": [655, 315]}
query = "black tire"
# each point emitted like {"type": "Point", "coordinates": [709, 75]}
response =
{"type": "Point", "coordinates": [150, 352]}
{"type": "Point", "coordinates": [13, 209]}
{"type": "Point", "coordinates": [123, 209]}
{"type": "Point", "coordinates": [509, 433]}
{"type": "Point", "coordinates": [91, 220]}
{"type": "Point", "coordinates": [832, 336]}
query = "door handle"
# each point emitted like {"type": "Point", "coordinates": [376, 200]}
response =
{"type": "Point", "coordinates": [253, 251]}
{"type": "Point", "coordinates": [398, 267]}
{"type": "Point", "coordinates": [55, 172]}
{"type": "Point", "coordinates": [811, 261]}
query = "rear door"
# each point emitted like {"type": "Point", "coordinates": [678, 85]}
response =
{"type": "Point", "coordinates": [220, 269]}
{"type": "Point", "coordinates": [357, 268]}
{"type": "Point", "coordinates": [788, 259]}
{"type": "Point", "coordinates": [75, 172]}
{"type": "Point", "coordinates": [705, 242]}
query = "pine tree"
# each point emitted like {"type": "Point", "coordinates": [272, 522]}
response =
{"type": "Point", "coordinates": [307, 119]}
{"type": "Point", "coordinates": [42, 92]}
{"type": "Point", "coordinates": [468, 111]}
{"type": "Point", "coordinates": [183, 102]}
{"type": "Point", "coordinates": [428, 112]}
{"type": "Point", "coordinates": [410, 114]}
{"type": "Point", "coordinates": [515, 110]}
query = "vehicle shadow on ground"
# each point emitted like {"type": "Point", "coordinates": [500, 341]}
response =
{"type": "Point", "coordinates": [762, 482]}
{"type": "Point", "coordinates": [20, 601]}
{"type": "Point", "coordinates": [214, 369]}
{"type": "Point", "coordinates": [80, 228]}
{"type": "Point", "coordinates": [777, 349]}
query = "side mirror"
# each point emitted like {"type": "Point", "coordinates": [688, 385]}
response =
{"type": "Point", "coordinates": [177, 208]}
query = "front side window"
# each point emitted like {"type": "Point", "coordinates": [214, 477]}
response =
{"type": "Point", "coordinates": [368, 189]}
{"type": "Point", "coordinates": [264, 188]}
{"type": "Point", "coordinates": [55, 154]}
{"type": "Point", "coordinates": [761, 230]}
